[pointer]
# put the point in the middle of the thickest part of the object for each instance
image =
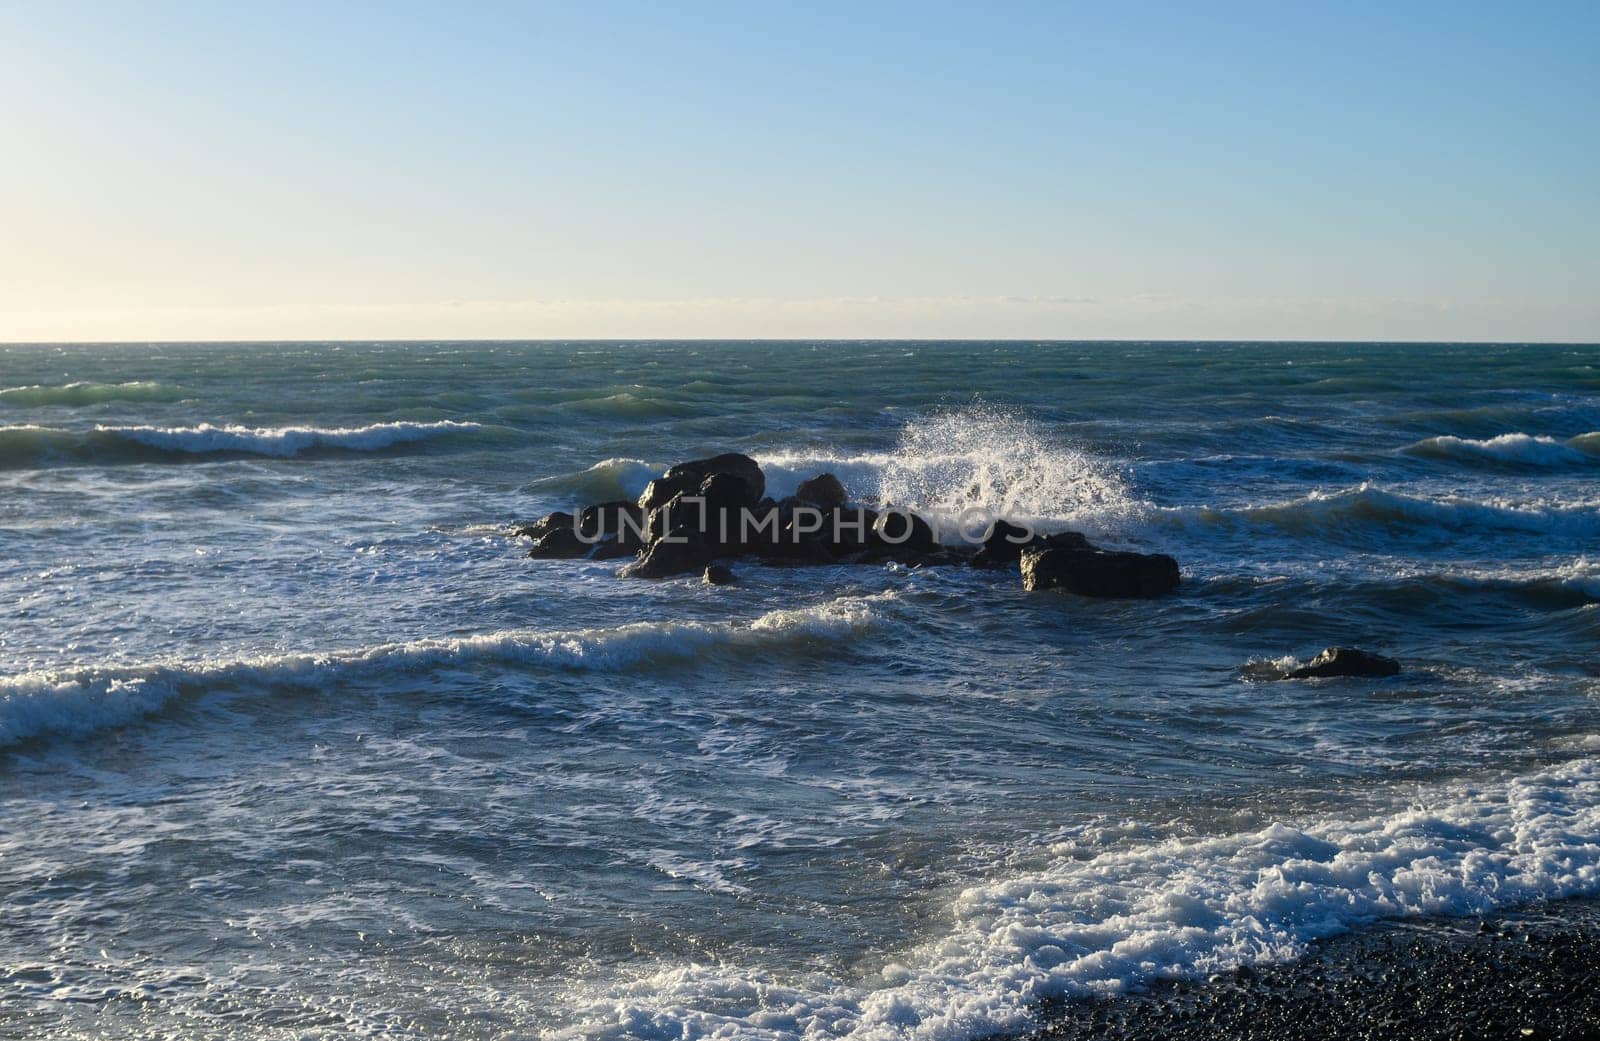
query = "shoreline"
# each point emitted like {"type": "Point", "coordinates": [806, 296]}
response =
{"type": "Point", "coordinates": [1532, 972]}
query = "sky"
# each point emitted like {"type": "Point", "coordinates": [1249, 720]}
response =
{"type": "Point", "coordinates": [1395, 171]}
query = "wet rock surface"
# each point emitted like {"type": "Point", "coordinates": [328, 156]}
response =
{"type": "Point", "coordinates": [1345, 661]}
{"type": "Point", "coordinates": [1089, 571]}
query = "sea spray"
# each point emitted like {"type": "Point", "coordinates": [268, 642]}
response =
{"type": "Point", "coordinates": [978, 459]}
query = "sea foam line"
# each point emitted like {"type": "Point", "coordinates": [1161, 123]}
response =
{"type": "Point", "coordinates": [1135, 914]}
{"type": "Point", "coordinates": [75, 702]}
{"type": "Point", "coordinates": [282, 441]}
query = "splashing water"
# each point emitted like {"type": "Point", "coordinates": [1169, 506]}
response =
{"type": "Point", "coordinates": [993, 460]}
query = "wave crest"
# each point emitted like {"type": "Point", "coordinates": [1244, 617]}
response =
{"type": "Point", "coordinates": [1508, 450]}
{"type": "Point", "coordinates": [25, 447]}
{"type": "Point", "coordinates": [90, 393]}
{"type": "Point", "coordinates": [75, 702]}
{"type": "Point", "coordinates": [605, 481]}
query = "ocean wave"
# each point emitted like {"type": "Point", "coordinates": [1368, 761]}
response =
{"type": "Point", "coordinates": [1140, 912]}
{"type": "Point", "coordinates": [1577, 581]}
{"type": "Point", "coordinates": [605, 481]}
{"type": "Point", "coordinates": [1369, 506]}
{"type": "Point", "coordinates": [90, 393]}
{"type": "Point", "coordinates": [984, 459]}
{"type": "Point", "coordinates": [75, 702]}
{"type": "Point", "coordinates": [1512, 450]}
{"type": "Point", "coordinates": [27, 447]}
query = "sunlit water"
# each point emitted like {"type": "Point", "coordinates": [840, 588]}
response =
{"type": "Point", "coordinates": [295, 741]}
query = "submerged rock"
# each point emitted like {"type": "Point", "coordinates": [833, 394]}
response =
{"type": "Point", "coordinates": [718, 575]}
{"type": "Point", "coordinates": [1088, 571]}
{"type": "Point", "coordinates": [1345, 661]}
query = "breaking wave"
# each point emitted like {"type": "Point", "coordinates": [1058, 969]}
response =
{"type": "Point", "coordinates": [26, 447]}
{"type": "Point", "coordinates": [1512, 450]}
{"type": "Point", "coordinates": [75, 702]}
{"type": "Point", "coordinates": [1137, 913]}
{"type": "Point", "coordinates": [90, 393]}
{"type": "Point", "coordinates": [985, 459]}
{"type": "Point", "coordinates": [605, 481]}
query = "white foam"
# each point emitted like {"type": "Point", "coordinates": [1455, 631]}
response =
{"type": "Point", "coordinates": [281, 441]}
{"type": "Point", "coordinates": [982, 459]}
{"type": "Point", "coordinates": [1144, 911]}
{"type": "Point", "coordinates": [1512, 449]}
{"type": "Point", "coordinates": [73, 702]}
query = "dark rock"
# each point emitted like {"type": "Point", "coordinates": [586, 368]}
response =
{"type": "Point", "coordinates": [804, 549]}
{"type": "Point", "coordinates": [544, 525]}
{"type": "Point", "coordinates": [901, 531]}
{"type": "Point", "coordinates": [1095, 572]}
{"type": "Point", "coordinates": [801, 539]}
{"type": "Point", "coordinates": [1068, 540]}
{"type": "Point", "coordinates": [718, 575]}
{"type": "Point", "coordinates": [660, 491]}
{"type": "Point", "coordinates": [823, 490]}
{"type": "Point", "coordinates": [745, 531]}
{"type": "Point", "coordinates": [559, 544]}
{"type": "Point", "coordinates": [684, 511]}
{"type": "Point", "coordinates": [742, 467]}
{"type": "Point", "coordinates": [682, 551]}
{"type": "Point", "coordinates": [724, 493]}
{"type": "Point", "coordinates": [848, 530]}
{"type": "Point", "coordinates": [613, 549]}
{"type": "Point", "coordinates": [613, 520]}
{"type": "Point", "coordinates": [1004, 544]}
{"type": "Point", "coordinates": [1346, 661]}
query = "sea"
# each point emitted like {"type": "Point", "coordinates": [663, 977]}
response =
{"type": "Point", "coordinates": [297, 742]}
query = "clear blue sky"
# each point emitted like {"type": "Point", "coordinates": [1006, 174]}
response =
{"type": "Point", "coordinates": [209, 170]}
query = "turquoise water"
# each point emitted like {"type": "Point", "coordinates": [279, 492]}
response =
{"type": "Point", "coordinates": [295, 741]}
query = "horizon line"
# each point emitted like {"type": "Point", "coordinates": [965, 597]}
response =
{"type": "Point", "coordinates": [791, 339]}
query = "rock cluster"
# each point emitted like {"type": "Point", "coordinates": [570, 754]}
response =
{"type": "Point", "coordinates": [713, 510]}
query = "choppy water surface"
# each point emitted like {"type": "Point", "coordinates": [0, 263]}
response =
{"type": "Point", "coordinates": [295, 742]}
